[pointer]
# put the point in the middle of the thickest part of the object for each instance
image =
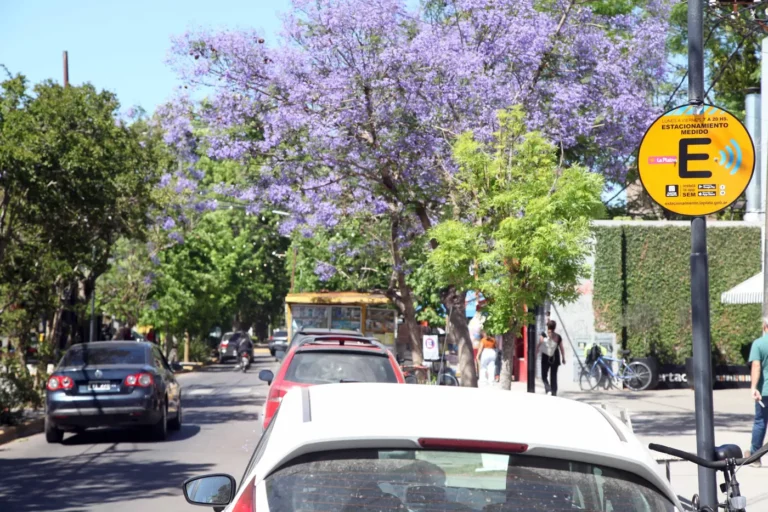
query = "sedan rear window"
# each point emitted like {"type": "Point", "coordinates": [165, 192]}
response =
{"type": "Point", "coordinates": [324, 367]}
{"type": "Point", "coordinates": [92, 356]}
{"type": "Point", "coordinates": [446, 480]}
{"type": "Point", "coordinates": [280, 334]}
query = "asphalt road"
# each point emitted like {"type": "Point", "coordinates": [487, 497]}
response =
{"type": "Point", "coordinates": [123, 470]}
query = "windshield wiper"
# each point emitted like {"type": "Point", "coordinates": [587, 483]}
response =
{"type": "Point", "coordinates": [348, 380]}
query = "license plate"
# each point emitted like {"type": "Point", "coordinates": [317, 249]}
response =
{"type": "Point", "coordinates": [99, 386]}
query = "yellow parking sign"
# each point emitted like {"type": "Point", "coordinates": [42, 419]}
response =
{"type": "Point", "coordinates": [696, 160]}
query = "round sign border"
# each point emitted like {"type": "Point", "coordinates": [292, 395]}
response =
{"type": "Point", "coordinates": [751, 141]}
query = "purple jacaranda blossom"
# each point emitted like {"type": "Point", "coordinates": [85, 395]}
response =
{"type": "Point", "coordinates": [324, 271]}
{"type": "Point", "coordinates": [176, 236]}
{"type": "Point", "coordinates": [374, 93]}
{"type": "Point", "coordinates": [165, 180]}
{"type": "Point", "coordinates": [184, 184]}
{"type": "Point", "coordinates": [168, 224]}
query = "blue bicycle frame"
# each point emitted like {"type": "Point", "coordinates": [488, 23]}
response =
{"type": "Point", "coordinates": [626, 374]}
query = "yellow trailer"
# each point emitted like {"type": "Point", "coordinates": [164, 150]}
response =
{"type": "Point", "coordinates": [372, 314]}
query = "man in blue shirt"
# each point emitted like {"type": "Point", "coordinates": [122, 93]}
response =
{"type": "Point", "coordinates": [758, 360]}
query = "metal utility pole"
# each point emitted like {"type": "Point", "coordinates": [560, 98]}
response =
{"type": "Point", "coordinates": [66, 70]}
{"type": "Point", "coordinates": [531, 352]}
{"type": "Point", "coordinates": [702, 344]}
{"type": "Point", "coordinates": [93, 302]}
{"type": "Point", "coordinates": [752, 105]}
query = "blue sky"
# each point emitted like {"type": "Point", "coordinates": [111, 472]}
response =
{"type": "Point", "coordinates": [117, 45]}
{"type": "Point", "coordinates": [120, 45]}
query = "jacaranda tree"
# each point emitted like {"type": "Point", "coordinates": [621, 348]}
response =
{"type": "Point", "coordinates": [356, 107]}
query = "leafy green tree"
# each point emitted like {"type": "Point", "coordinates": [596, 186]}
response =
{"type": "Point", "coordinates": [74, 178]}
{"type": "Point", "coordinates": [523, 218]}
{"type": "Point", "coordinates": [123, 290]}
{"type": "Point", "coordinates": [351, 256]}
{"type": "Point", "coordinates": [225, 273]}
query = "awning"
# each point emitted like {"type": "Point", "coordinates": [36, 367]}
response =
{"type": "Point", "coordinates": [747, 292]}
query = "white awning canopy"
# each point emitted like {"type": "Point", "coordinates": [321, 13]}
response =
{"type": "Point", "coordinates": [747, 292]}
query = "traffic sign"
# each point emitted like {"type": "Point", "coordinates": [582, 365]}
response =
{"type": "Point", "coordinates": [696, 160]}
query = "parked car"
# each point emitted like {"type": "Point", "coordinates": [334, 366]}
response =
{"type": "Point", "coordinates": [327, 359]}
{"type": "Point", "coordinates": [369, 446]}
{"type": "Point", "coordinates": [112, 384]}
{"type": "Point", "coordinates": [228, 346]}
{"type": "Point", "coordinates": [278, 341]}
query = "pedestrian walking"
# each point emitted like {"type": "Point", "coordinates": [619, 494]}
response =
{"type": "Point", "coordinates": [553, 355]}
{"type": "Point", "coordinates": [486, 359]}
{"type": "Point", "coordinates": [758, 360]}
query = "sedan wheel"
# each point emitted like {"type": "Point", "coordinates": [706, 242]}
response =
{"type": "Point", "coordinates": [53, 434]}
{"type": "Point", "coordinates": [175, 423]}
{"type": "Point", "coordinates": [160, 429]}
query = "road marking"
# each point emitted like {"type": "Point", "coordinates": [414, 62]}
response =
{"type": "Point", "coordinates": [200, 391]}
{"type": "Point", "coordinates": [240, 391]}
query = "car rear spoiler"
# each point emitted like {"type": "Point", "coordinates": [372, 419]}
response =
{"type": "Point", "coordinates": [342, 339]}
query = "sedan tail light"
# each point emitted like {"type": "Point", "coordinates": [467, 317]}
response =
{"type": "Point", "coordinates": [57, 382]}
{"type": "Point", "coordinates": [142, 380]}
{"type": "Point", "coordinates": [276, 395]}
{"type": "Point", "coordinates": [246, 502]}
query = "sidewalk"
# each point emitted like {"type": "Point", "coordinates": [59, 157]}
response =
{"type": "Point", "coordinates": [667, 417]}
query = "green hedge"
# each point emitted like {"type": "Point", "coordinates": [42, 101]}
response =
{"type": "Point", "coordinates": [642, 289]}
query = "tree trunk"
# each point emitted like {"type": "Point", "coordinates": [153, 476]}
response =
{"type": "Point", "coordinates": [507, 358]}
{"type": "Point", "coordinates": [409, 315]}
{"type": "Point", "coordinates": [405, 299]}
{"type": "Point", "coordinates": [456, 325]}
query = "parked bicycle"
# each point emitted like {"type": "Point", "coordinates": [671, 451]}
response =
{"type": "Point", "coordinates": [420, 374]}
{"type": "Point", "coordinates": [728, 459]}
{"type": "Point", "coordinates": [636, 375]}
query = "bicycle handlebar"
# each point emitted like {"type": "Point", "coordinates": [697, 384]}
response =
{"type": "Point", "coordinates": [711, 464]}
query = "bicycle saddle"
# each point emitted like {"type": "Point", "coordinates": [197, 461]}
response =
{"type": "Point", "coordinates": [624, 352]}
{"type": "Point", "coordinates": [728, 451]}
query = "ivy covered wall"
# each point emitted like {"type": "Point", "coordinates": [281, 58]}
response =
{"type": "Point", "coordinates": [642, 289]}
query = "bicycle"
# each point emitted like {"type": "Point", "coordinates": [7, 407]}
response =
{"type": "Point", "coordinates": [635, 375]}
{"type": "Point", "coordinates": [419, 374]}
{"type": "Point", "coordinates": [728, 459]}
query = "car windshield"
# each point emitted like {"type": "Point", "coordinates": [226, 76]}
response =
{"type": "Point", "coordinates": [323, 367]}
{"type": "Point", "coordinates": [430, 480]}
{"type": "Point", "coordinates": [92, 356]}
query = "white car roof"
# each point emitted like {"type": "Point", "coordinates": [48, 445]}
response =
{"type": "Point", "coordinates": [373, 415]}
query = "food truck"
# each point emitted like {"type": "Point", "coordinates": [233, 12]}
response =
{"type": "Point", "coordinates": [372, 314]}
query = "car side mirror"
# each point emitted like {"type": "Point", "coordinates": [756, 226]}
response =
{"type": "Point", "coordinates": [211, 490]}
{"type": "Point", "coordinates": [176, 366]}
{"type": "Point", "coordinates": [267, 376]}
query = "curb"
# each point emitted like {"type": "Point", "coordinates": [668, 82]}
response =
{"type": "Point", "coordinates": [26, 429]}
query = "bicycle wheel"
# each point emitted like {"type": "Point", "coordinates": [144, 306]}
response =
{"type": "Point", "coordinates": [637, 376]}
{"type": "Point", "coordinates": [448, 380]}
{"type": "Point", "coordinates": [590, 378]}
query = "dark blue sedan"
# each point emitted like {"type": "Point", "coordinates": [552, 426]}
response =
{"type": "Point", "coordinates": [112, 384]}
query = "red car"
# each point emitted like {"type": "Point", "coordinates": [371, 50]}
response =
{"type": "Point", "coordinates": [326, 359]}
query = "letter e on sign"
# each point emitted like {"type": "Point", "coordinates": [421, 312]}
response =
{"type": "Point", "coordinates": [696, 160]}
